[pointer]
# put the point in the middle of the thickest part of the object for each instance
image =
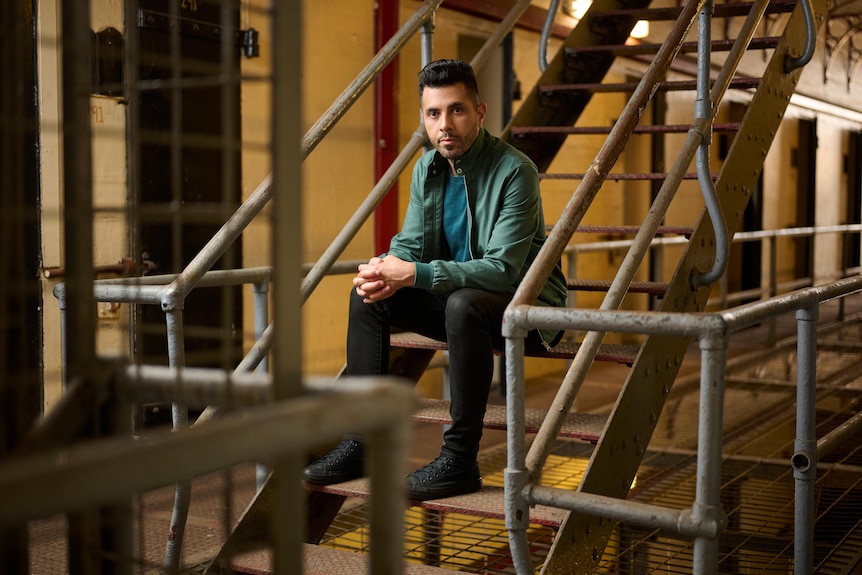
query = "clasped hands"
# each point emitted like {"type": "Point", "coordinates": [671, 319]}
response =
{"type": "Point", "coordinates": [382, 277]}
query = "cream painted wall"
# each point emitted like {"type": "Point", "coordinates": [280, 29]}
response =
{"type": "Point", "coordinates": [779, 198]}
{"type": "Point", "coordinates": [829, 196]}
{"type": "Point", "coordinates": [108, 124]}
{"type": "Point", "coordinates": [51, 208]}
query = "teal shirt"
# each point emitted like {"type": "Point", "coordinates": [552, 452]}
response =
{"type": "Point", "coordinates": [455, 218]}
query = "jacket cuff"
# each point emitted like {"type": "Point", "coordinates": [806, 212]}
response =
{"type": "Point", "coordinates": [424, 276]}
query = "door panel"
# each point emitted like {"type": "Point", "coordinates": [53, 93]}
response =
{"type": "Point", "coordinates": [189, 181]}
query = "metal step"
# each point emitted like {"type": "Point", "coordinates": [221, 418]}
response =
{"type": "Point", "coordinates": [632, 230]}
{"type": "Point", "coordinates": [651, 288]}
{"type": "Point", "coordinates": [616, 353]}
{"type": "Point", "coordinates": [488, 502]}
{"type": "Point", "coordinates": [319, 560]}
{"type": "Point", "coordinates": [728, 10]}
{"type": "Point", "coordinates": [669, 86]}
{"type": "Point", "coordinates": [604, 130]}
{"type": "Point", "coordinates": [585, 426]}
{"type": "Point", "coordinates": [616, 177]}
{"type": "Point", "coordinates": [763, 43]}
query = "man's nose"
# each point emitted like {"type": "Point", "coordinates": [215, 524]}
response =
{"type": "Point", "coordinates": [445, 121]}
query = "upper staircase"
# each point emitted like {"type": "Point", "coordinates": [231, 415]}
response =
{"type": "Point", "coordinates": [552, 113]}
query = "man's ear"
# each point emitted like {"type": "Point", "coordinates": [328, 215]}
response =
{"type": "Point", "coordinates": [481, 111]}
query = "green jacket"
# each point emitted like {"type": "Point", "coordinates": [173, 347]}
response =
{"type": "Point", "coordinates": [505, 221]}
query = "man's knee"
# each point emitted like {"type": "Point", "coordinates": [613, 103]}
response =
{"type": "Point", "coordinates": [469, 306]}
{"type": "Point", "coordinates": [462, 302]}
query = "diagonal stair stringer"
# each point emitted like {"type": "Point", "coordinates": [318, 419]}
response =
{"type": "Point", "coordinates": [581, 540]}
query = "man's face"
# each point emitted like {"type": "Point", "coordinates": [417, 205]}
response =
{"type": "Point", "coordinates": [452, 120]}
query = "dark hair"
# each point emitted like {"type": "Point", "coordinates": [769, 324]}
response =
{"type": "Point", "coordinates": [443, 73]}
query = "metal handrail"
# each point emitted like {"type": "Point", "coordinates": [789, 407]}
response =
{"type": "Point", "coordinates": [105, 471]}
{"type": "Point", "coordinates": [704, 520]}
{"type": "Point", "coordinates": [573, 251]}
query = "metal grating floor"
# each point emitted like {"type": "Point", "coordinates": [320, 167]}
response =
{"type": "Point", "coordinates": [217, 501]}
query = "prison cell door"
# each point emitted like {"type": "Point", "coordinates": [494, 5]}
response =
{"type": "Point", "coordinates": [189, 166]}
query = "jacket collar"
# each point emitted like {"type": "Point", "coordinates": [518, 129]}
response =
{"type": "Point", "coordinates": [474, 155]}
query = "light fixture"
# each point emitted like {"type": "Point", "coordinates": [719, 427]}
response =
{"type": "Point", "coordinates": [641, 29]}
{"type": "Point", "coordinates": [576, 8]}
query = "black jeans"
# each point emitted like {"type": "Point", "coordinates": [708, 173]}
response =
{"type": "Point", "coordinates": [469, 320]}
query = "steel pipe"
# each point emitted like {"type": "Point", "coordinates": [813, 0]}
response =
{"type": "Point", "coordinates": [676, 521]}
{"type": "Point", "coordinates": [108, 470]}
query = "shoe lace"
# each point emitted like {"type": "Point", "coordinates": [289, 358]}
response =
{"type": "Point", "coordinates": [433, 469]}
{"type": "Point", "coordinates": [341, 451]}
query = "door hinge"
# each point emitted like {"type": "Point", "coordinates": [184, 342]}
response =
{"type": "Point", "coordinates": [246, 41]}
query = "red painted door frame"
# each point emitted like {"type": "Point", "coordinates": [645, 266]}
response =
{"type": "Point", "coordinates": [386, 125]}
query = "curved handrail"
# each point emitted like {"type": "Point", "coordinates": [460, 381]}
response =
{"type": "Point", "coordinates": [791, 64]}
{"type": "Point", "coordinates": [703, 110]}
{"type": "Point", "coordinates": [546, 35]}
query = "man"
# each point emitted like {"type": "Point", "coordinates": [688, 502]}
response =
{"type": "Point", "coordinates": [473, 226]}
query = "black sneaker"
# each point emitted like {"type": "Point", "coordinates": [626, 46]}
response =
{"type": "Point", "coordinates": [339, 465]}
{"type": "Point", "coordinates": [443, 477]}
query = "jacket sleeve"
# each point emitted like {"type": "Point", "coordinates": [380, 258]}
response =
{"type": "Point", "coordinates": [510, 228]}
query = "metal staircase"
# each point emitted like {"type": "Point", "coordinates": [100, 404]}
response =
{"type": "Point", "coordinates": [543, 122]}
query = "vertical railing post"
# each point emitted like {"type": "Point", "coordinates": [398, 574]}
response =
{"type": "Point", "coordinates": [180, 418]}
{"type": "Point", "coordinates": [773, 283]}
{"type": "Point", "coordinates": [707, 504]}
{"type": "Point", "coordinates": [287, 520]}
{"type": "Point", "coordinates": [516, 476]}
{"type": "Point", "coordinates": [387, 453]}
{"type": "Point", "coordinates": [427, 39]}
{"type": "Point", "coordinates": [261, 320]}
{"type": "Point", "coordinates": [804, 458]}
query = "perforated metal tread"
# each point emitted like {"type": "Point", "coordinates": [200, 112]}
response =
{"type": "Point", "coordinates": [488, 502]}
{"type": "Point", "coordinates": [319, 560]}
{"type": "Point", "coordinates": [652, 288]}
{"type": "Point", "coordinates": [617, 353]}
{"type": "Point", "coordinates": [584, 426]}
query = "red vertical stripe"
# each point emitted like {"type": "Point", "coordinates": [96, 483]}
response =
{"type": "Point", "coordinates": [386, 126]}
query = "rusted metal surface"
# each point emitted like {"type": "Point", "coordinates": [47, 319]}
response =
{"type": "Point", "coordinates": [586, 130]}
{"type": "Point", "coordinates": [667, 86]}
{"type": "Point", "coordinates": [686, 47]}
{"type": "Point", "coordinates": [652, 288]}
{"type": "Point", "coordinates": [585, 426]}
{"type": "Point", "coordinates": [485, 503]}
{"type": "Point", "coordinates": [616, 353]}
{"type": "Point", "coordinates": [615, 177]}
{"type": "Point", "coordinates": [720, 11]}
